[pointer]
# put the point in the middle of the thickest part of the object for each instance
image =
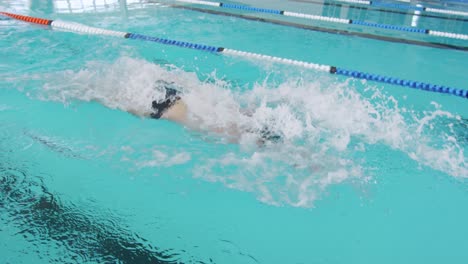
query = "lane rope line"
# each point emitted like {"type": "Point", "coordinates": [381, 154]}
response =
{"type": "Point", "coordinates": [315, 28]}
{"type": "Point", "coordinates": [406, 7]}
{"type": "Point", "coordinates": [328, 19]}
{"type": "Point", "coordinates": [406, 12]}
{"type": "Point", "coordinates": [79, 28]}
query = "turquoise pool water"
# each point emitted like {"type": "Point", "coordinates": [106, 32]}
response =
{"type": "Point", "coordinates": [366, 173]}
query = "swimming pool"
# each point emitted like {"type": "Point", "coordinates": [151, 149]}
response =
{"type": "Point", "coordinates": [367, 172]}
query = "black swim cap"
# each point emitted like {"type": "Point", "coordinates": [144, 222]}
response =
{"type": "Point", "coordinates": [170, 99]}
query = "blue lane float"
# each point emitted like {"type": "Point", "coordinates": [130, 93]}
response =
{"type": "Point", "coordinates": [83, 29]}
{"type": "Point", "coordinates": [248, 8]}
{"type": "Point", "coordinates": [392, 27]}
{"type": "Point", "coordinates": [405, 83]}
{"type": "Point", "coordinates": [181, 44]}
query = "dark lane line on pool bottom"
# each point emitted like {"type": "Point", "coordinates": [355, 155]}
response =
{"type": "Point", "coordinates": [42, 216]}
{"type": "Point", "coordinates": [326, 30]}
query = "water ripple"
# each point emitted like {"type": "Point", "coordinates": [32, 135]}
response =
{"type": "Point", "coordinates": [51, 225]}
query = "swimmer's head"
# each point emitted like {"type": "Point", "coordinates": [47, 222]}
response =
{"type": "Point", "coordinates": [161, 107]}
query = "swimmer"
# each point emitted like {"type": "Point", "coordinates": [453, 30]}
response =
{"type": "Point", "coordinates": [173, 108]}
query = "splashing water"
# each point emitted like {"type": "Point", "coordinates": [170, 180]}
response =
{"type": "Point", "coordinates": [325, 127]}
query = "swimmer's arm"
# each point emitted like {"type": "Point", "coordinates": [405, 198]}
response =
{"type": "Point", "coordinates": [232, 132]}
{"type": "Point", "coordinates": [133, 111]}
{"type": "Point", "coordinates": [139, 113]}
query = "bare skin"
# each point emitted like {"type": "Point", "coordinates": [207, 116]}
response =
{"type": "Point", "coordinates": [178, 113]}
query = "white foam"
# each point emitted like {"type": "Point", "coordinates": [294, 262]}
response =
{"type": "Point", "coordinates": [324, 126]}
{"type": "Point", "coordinates": [127, 84]}
{"type": "Point", "coordinates": [163, 159]}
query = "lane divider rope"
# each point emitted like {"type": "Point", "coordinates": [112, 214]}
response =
{"type": "Point", "coordinates": [406, 7]}
{"type": "Point", "coordinates": [409, 12]}
{"type": "Point", "coordinates": [328, 19]}
{"type": "Point", "coordinates": [342, 32]}
{"type": "Point", "coordinates": [78, 28]}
